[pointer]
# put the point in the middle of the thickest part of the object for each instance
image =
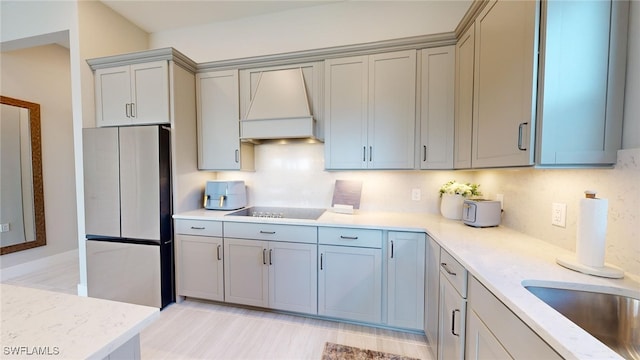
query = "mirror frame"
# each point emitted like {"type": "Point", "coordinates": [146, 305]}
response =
{"type": "Point", "coordinates": [36, 164]}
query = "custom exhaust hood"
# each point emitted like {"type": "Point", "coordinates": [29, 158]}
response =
{"type": "Point", "coordinates": [279, 109]}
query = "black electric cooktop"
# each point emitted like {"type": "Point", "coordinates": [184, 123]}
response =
{"type": "Point", "coordinates": [279, 212]}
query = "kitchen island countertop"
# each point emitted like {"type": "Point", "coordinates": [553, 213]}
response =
{"type": "Point", "coordinates": [43, 324]}
{"type": "Point", "coordinates": [502, 259]}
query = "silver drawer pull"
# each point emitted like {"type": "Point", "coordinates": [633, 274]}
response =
{"type": "Point", "coordinates": [219, 246]}
{"type": "Point", "coordinates": [267, 232]}
{"type": "Point", "coordinates": [197, 228]}
{"type": "Point", "coordinates": [348, 237]}
{"type": "Point", "coordinates": [446, 268]}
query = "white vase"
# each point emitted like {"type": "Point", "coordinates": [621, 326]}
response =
{"type": "Point", "coordinates": [451, 206]}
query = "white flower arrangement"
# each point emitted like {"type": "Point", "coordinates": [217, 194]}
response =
{"type": "Point", "coordinates": [455, 188]}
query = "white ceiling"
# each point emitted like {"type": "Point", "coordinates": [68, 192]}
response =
{"type": "Point", "coordinates": [158, 15]}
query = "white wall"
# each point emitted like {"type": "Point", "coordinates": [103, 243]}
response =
{"type": "Point", "coordinates": [334, 24]}
{"type": "Point", "coordinates": [42, 75]}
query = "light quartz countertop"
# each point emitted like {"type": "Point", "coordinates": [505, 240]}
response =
{"type": "Point", "coordinates": [64, 326]}
{"type": "Point", "coordinates": [502, 259]}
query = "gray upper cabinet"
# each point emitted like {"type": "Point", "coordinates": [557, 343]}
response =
{"type": "Point", "coordinates": [465, 54]}
{"type": "Point", "coordinates": [582, 88]}
{"type": "Point", "coordinates": [132, 94]}
{"type": "Point", "coordinates": [218, 114]}
{"type": "Point", "coordinates": [564, 111]}
{"type": "Point", "coordinates": [504, 84]}
{"type": "Point", "coordinates": [437, 108]}
{"type": "Point", "coordinates": [370, 111]}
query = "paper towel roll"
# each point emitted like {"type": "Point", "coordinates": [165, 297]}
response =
{"type": "Point", "coordinates": [592, 231]}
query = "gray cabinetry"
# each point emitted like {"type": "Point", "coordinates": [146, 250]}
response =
{"type": "Point", "coordinates": [550, 71]}
{"type": "Point", "coordinates": [370, 111]}
{"type": "Point", "coordinates": [453, 306]}
{"type": "Point", "coordinates": [271, 266]}
{"type": "Point", "coordinates": [132, 94]}
{"type": "Point", "coordinates": [218, 114]}
{"type": "Point", "coordinates": [432, 294]}
{"type": "Point", "coordinates": [356, 253]}
{"type": "Point", "coordinates": [437, 108]}
{"type": "Point", "coordinates": [405, 279]}
{"type": "Point", "coordinates": [199, 259]}
{"type": "Point", "coordinates": [493, 331]}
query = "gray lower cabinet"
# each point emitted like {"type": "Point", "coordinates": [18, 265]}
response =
{"type": "Point", "coordinates": [350, 274]}
{"type": "Point", "coordinates": [453, 307]}
{"type": "Point", "coordinates": [199, 259]}
{"type": "Point", "coordinates": [405, 279]}
{"type": "Point", "coordinates": [432, 294]}
{"type": "Point", "coordinates": [271, 273]}
{"type": "Point", "coordinates": [494, 332]}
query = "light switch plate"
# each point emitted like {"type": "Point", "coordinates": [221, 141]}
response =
{"type": "Point", "coordinates": [4, 227]}
{"type": "Point", "coordinates": [416, 194]}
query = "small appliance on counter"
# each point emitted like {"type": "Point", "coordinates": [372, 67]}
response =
{"type": "Point", "coordinates": [481, 212]}
{"type": "Point", "coordinates": [225, 195]}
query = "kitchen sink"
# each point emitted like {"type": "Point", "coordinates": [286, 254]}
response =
{"type": "Point", "coordinates": [612, 319]}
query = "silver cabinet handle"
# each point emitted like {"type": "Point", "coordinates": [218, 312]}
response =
{"type": "Point", "coordinates": [522, 125]}
{"type": "Point", "coordinates": [127, 109]}
{"type": "Point", "coordinates": [453, 322]}
{"type": "Point", "coordinates": [364, 153]}
{"type": "Point", "coordinates": [446, 268]}
{"type": "Point", "coordinates": [197, 228]}
{"type": "Point", "coordinates": [267, 232]}
{"type": "Point", "coordinates": [133, 110]}
{"type": "Point", "coordinates": [270, 256]}
{"type": "Point", "coordinates": [320, 261]}
{"type": "Point", "coordinates": [264, 256]}
{"type": "Point", "coordinates": [348, 237]}
{"type": "Point", "coordinates": [219, 247]}
{"type": "Point", "coordinates": [392, 249]}
{"type": "Point", "coordinates": [424, 152]}
{"type": "Point", "coordinates": [370, 153]}
{"type": "Point", "coordinates": [237, 156]}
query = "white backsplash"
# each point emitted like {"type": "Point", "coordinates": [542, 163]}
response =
{"type": "Point", "coordinates": [294, 175]}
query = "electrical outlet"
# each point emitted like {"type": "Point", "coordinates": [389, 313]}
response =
{"type": "Point", "coordinates": [559, 214]}
{"type": "Point", "coordinates": [4, 227]}
{"type": "Point", "coordinates": [416, 194]}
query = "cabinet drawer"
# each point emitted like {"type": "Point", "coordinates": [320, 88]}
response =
{"type": "Point", "coordinates": [276, 232]}
{"type": "Point", "coordinates": [455, 272]}
{"type": "Point", "coordinates": [350, 237]}
{"type": "Point", "coordinates": [199, 227]}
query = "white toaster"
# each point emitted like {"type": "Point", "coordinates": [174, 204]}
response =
{"type": "Point", "coordinates": [481, 212]}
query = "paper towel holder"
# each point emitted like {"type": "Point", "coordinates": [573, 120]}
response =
{"type": "Point", "coordinates": [572, 262]}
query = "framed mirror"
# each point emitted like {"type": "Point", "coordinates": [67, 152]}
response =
{"type": "Point", "coordinates": [22, 224]}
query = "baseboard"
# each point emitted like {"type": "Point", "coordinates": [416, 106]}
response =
{"type": "Point", "coordinates": [37, 265]}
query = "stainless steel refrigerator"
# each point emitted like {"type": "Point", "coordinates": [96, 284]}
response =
{"type": "Point", "coordinates": [127, 187]}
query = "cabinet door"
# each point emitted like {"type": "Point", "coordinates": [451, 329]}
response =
{"type": "Point", "coordinates": [465, 49]}
{"type": "Point", "coordinates": [392, 110]}
{"type": "Point", "coordinates": [452, 323]}
{"type": "Point", "coordinates": [481, 343]}
{"type": "Point", "coordinates": [505, 84]}
{"type": "Point", "coordinates": [150, 93]}
{"type": "Point", "coordinates": [293, 282]}
{"type": "Point", "coordinates": [113, 96]}
{"type": "Point", "coordinates": [350, 283]}
{"type": "Point", "coordinates": [580, 123]}
{"type": "Point", "coordinates": [200, 267]}
{"type": "Point", "coordinates": [437, 108]}
{"type": "Point", "coordinates": [432, 294]}
{"type": "Point", "coordinates": [346, 84]}
{"type": "Point", "coordinates": [405, 279]}
{"type": "Point", "coordinates": [218, 111]}
{"type": "Point", "coordinates": [246, 276]}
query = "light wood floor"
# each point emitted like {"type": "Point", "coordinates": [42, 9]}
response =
{"type": "Point", "coordinates": [195, 329]}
